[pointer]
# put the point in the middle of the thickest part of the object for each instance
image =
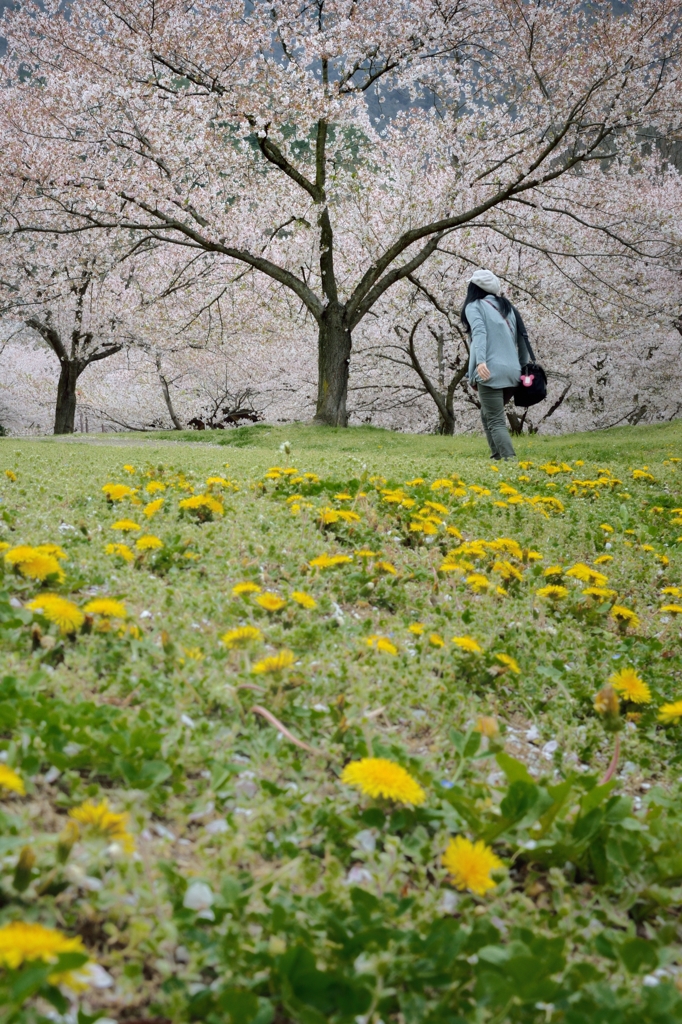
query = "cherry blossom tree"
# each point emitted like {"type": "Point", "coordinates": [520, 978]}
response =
{"type": "Point", "coordinates": [76, 297]}
{"type": "Point", "coordinates": [257, 132]}
{"type": "Point", "coordinates": [603, 323]}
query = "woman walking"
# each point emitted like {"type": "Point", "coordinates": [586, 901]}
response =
{"type": "Point", "coordinates": [498, 349]}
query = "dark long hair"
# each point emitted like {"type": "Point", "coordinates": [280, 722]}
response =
{"type": "Point", "coordinates": [474, 293]}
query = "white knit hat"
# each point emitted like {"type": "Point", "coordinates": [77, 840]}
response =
{"type": "Point", "coordinates": [486, 280]}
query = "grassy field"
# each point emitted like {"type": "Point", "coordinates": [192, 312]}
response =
{"type": "Point", "coordinates": [303, 725]}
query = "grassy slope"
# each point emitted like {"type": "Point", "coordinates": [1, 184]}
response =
{"type": "Point", "coordinates": [257, 447]}
{"type": "Point", "coordinates": [109, 718]}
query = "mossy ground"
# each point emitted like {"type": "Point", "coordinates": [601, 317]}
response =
{"type": "Point", "coordinates": [322, 904]}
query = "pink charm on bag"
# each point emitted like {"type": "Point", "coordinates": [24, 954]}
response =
{"type": "Point", "coordinates": [527, 380]}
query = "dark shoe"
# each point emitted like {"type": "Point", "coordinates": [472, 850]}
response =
{"type": "Point", "coordinates": [495, 456]}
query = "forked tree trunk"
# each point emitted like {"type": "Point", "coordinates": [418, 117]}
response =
{"type": "Point", "coordinates": [65, 412]}
{"type": "Point", "coordinates": [177, 425]}
{"type": "Point", "coordinates": [334, 347]}
{"type": "Point", "coordinates": [446, 423]}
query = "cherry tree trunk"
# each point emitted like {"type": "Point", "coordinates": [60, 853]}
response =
{"type": "Point", "coordinates": [65, 412]}
{"type": "Point", "coordinates": [334, 347]}
{"type": "Point", "coordinates": [446, 423]}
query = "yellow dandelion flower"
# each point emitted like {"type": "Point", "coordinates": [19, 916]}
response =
{"type": "Point", "coordinates": [624, 616]}
{"type": "Point", "coordinates": [478, 582]}
{"type": "Point", "coordinates": [11, 781]}
{"type": "Point", "coordinates": [274, 663]}
{"type": "Point", "coordinates": [122, 550]}
{"type": "Point", "coordinates": [511, 663]}
{"type": "Point", "coordinates": [241, 636]}
{"type": "Point", "coordinates": [672, 609]}
{"type": "Point", "coordinates": [553, 570]}
{"type": "Point", "coordinates": [22, 942]}
{"type": "Point", "coordinates": [672, 591]}
{"type": "Point", "coordinates": [328, 561]}
{"type": "Point", "coordinates": [553, 592]}
{"type": "Point", "coordinates": [107, 607]}
{"type": "Point", "coordinates": [437, 507]}
{"type": "Point", "coordinates": [628, 684]}
{"type": "Point", "coordinates": [348, 517]}
{"type": "Point", "coordinates": [203, 506]}
{"type": "Point", "coordinates": [41, 567]}
{"type": "Point", "coordinates": [117, 492]}
{"type": "Point", "coordinates": [155, 487]}
{"type": "Point", "coordinates": [459, 567]}
{"type": "Point", "coordinates": [239, 589]}
{"type": "Point", "coordinates": [98, 819]}
{"type": "Point", "coordinates": [381, 643]}
{"type": "Point", "coordinates": [602, 593]}
{"type": "Point", "coordinates": [386, 567]}
{"type": "Point", "coordinates": [471, 865]}
{"type": "Point", "coordinates": [606, 528]}
{"type": "Point", "coordinates": [603, 559]}
{"type": "Point", "coordinates": [366, 553]}
{"type": "Point", "coordinates": [305, 600]}
{"type": "Point", "coordinates": [468, 644]}
{"type": "Point", "coordinates": [11, 475]}
{"type": "Point", "coordinates": [51, 549]}
{"type": "Point", "coordinates": [670, 713]}
{"type": "Point", "coordinates": [586, 574]}
{"type": "Point", "coordinates": [453, 531]}
{"type": "Point", "coordinates": [379, 778]}
{"type": "Point", "coordinates": [507, 571]}
{"type": "Point", "coordinates": [125, 525]}
{"type": "Point", "coordinates": [148, 542]}
{"type": "Point", "coordinates": [57, 609]}
{"type": "Point", "coordinates": [271, 602]}
{"type": "Point", "coordinates": [194, 653]}
{"type": "Point", "coordinates": [36, 563]}
{"type": "Point", "coordinates": [129, 469]}
{"type": "Point", "coordinates": [153, 507]}
{"type": "Point", "coordinates": [217, 481]}
{"type": "Point", "coordinates": [435, 640]}
{"type": "Point", "coordinates": [417, 628]}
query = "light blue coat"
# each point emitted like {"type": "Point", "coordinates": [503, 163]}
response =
{"type": "Point", "coordinates": [495, 344]}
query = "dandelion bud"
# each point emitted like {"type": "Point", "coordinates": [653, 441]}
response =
{"type": "Point", "coordinates": [36, 637]}
{"type": "Point", "coordinates": [66, 839]}
{"type": "Point", "coordinates": [24, 869]}
{"type": "Point", "coordinates": [607, 705]}
{"type": "Point", "coordinates": [488, 726]}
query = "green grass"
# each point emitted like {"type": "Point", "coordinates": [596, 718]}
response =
{"type": "Point", "coordinates": [324, 904]}
{"type": "Point", "coordinates": [258, 445]}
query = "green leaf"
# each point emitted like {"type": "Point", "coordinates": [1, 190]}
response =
{"type": "Point", "coordinates": [241, 1006]}
{"type": "Point", "coordinates": [513, 769]}
{"type": "Point", "coordinates": [638, 954]}
{"type": "Point", "coordinates": [472, 744]}
{"type": "Point", "coordinates": [596, 796]}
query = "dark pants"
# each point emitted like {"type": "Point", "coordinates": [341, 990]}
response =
{"type": "Point", "coordinates": [493, 401]}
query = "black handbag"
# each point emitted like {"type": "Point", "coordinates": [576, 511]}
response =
{"type": "Point", "coordinates": [532, 388]}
